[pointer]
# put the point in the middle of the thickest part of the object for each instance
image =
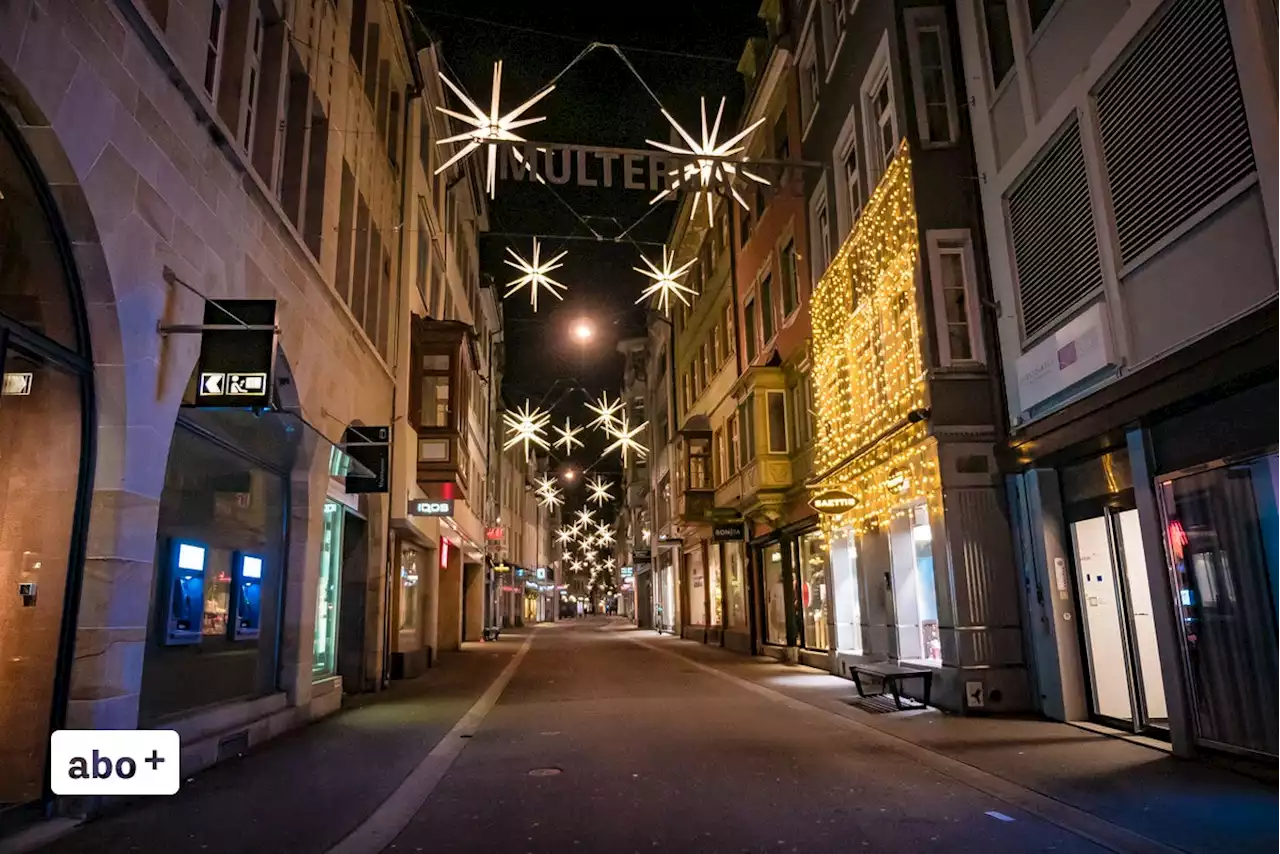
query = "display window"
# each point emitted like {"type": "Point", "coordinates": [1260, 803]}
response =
{"type": "Point", "coordinates": [713, 585]}
{"type": "Point", "coordinates": [410, 589]}
{"type": "Point", "coordinates": [696, 576]}
{"type": "Point", "coordinates": [846, 594]}
{"type": "Point", "coordinates": [735, 585]}
{"type": "Point", "coordinates": [328, 588]}
{"type": "Point", "coordinates": [775, 607]}
{"type": "Point", "coordinates": [914, 590]}
{"type": "Point", "coordinates": [814, 571]}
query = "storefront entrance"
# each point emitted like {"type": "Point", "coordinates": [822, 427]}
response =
{"type": "Point", "coordinates": [1127, 687]}
{"type": "Point", "coordinates": [46, 419]}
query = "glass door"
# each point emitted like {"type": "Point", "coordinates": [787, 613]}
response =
{"type": "Point", "coordinates": [1126, 684]}
{"type": "Point", "coordinates": [329, 586]}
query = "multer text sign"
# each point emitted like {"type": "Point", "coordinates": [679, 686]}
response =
{"type": "Point", "coordinates": [237, 354]}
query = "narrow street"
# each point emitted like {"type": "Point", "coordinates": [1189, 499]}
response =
{"type": "Point", "coordinates": [610, 739]}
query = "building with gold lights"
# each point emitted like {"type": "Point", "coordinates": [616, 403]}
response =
{"type": "Point", "coordinates": [915, 566]}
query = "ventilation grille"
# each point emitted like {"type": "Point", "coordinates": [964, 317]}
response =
{"type": "Point", "coordinates": [1054, 246]}
{"type": "Point", "coordinates": [1174, 131]}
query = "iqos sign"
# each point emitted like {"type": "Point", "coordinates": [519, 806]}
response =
{"type": "Point", "coordinates": [431, 508]}
{"type": "Point", "coordinates": [833, 501]}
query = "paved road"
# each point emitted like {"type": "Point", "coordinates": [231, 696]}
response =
{"type": "Point", "coordinates": [644, 751]}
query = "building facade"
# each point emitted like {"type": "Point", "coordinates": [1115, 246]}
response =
{"type": "Point", "coordinates": [221, 571]}
{"type": "Point", "coordinates": [1129, 172]}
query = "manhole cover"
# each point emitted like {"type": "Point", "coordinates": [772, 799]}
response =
{"type": "Point", "coordinates": [544, 772]}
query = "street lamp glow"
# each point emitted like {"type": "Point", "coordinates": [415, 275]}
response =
{"type": "Point", "coordinates": [582, 331]}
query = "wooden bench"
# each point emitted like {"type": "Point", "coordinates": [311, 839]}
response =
{"type": "Point", "coordinates": [891, 676]}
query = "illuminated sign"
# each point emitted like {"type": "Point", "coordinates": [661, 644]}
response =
{"type": "Point", "coordinates": [17, 384]}
{"type": "Point", "coordinates": [502, 567]}
{"type": "Point", "coordinates": [834, 501]}
{"type": "Point", "coordinates": [726, 533]}
{"type": "Point", "coordinates": [493, 533]}
{"type": "Point", "coordinates": [237, 354]}
{"type": "Point", "coordinates": [431, 507]}
{"type": "Point", "coordinates": [628, 571]}
{"type": "Point", "coordinates": [541, 573]}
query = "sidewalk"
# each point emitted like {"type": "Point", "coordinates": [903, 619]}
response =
{"type": "Point", "coordinates": [309, 788]}
{"type": "Point", "coordinates": [1186, 805]}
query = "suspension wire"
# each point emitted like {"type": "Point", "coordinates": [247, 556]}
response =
{"type": "Point", "coordinates": [632, 69]}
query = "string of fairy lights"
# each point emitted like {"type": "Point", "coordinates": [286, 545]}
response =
{"type": "Point", "coordinates": [869, 374]}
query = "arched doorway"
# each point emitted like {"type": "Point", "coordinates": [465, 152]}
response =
{"type": "Point", "coordinates": [46, 464]}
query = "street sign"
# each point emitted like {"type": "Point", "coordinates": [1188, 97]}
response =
{"type": "Point", "coordinates": [371, 448]}
{"type": "Point", "coordinates": [237, 358]}
{"type": "Point", "coordinates": [727, 533]}
{"type": "Point", "coordinates": [431, 507]}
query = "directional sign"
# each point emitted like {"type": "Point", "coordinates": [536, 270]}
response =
{"type": "Point", "coordinates": [237, 354]}
{"type": "Point", "coordinates": [17, 383]}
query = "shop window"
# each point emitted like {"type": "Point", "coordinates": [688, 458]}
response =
{"type": "Point", "coordinates": [735, 585]}
{"type": "Point", "coordinates": [846, 596]}
{"type": "Point", "coordinates": [775, 606]}
{"type": "Point", "coordinates": [410, 590]}
{"type": "Point", "coordinates": [1223, 542]}
{"type": "Point", "coordinates": [776, 401]}
{"type": "Point", "coordinates": [697, 587]}
{"type": "Point", "coordinates": [328, 588]}
{"type": "Point", "coordinates": [914, 591]}
{"type": "Point", "coordinates": [815, 569]}
{"type": "Point", "coordinates": [714, 593]}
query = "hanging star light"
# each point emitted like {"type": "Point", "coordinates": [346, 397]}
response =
{"type": "Point", "coordinates": [585, 517]}
{"type": "Point", "coordinates": [575, 566]}
{"type": "Point", "coordinates": [526, 425]}
{"type": "Point", "coordinates": [604, 535]}
{"type": "Point", "coordinates": [546, 485]}
{"type": "Point", "coordinates": [534, 274]}
{"type": "Point", "coordinates": [568, 436]}
{"type": "Point", "coordinates": [550, 499]}
{"type": "Point", "coordinates": [625, 440]}
{"type": "Point", "coordinates": [600, 493]}
{"type": "Point", "coordinates": [606, 413]}
{"type": "Point", "coordinates": [665, 281]}
{"type": "Point", "coordinates": [564, 536]}
{"type": "Point", "coordinates": [488, 129]}
{"type": "Point", "coordinates": [610, 563]}
{"type": "Point", "coordinates": [707, 170]}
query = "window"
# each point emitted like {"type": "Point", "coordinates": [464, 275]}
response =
{"type": "Point", "coordinates": [802, 395]}
{"type": "Point", "coordinates": [914, 589]}
{"type": "Point", "coordinates": [956, 304]}
{"type": "Point", "coordinates": [931, 76]}
{"type": "Point", "coordinates": [749, 313]}
{"type": "Point", "coordinates": [255, 70]}
{"type": "Point", "coordinates": [393, 131]}
{"type": "Point", "coordinates": [999, 40]}
{"type": "Point", "coordinates": [701, 366]}
{"type": "Point", "coordinates": [746, 432]}
{"type": "Point", "coordinates": [852, 181]}
{"type": "Point", "coordinates": [776, 403]}
{"type": "Point", "coordinates": [821, 234]}
{"type": "Point", "coordinates": [766, 309]}
{"type": "Point", "coordinates": [435, 392]}
{"type": "Point", "coordinates": [410, 590]}
{"type": "Point", "coordinates": [213, 47]}
{"type": "Point", "coordinates": [359, 15]}
{"type": "Point", "coordinates": [718, 467]}
{"type": "Point", "coordinates": [790, 278]}
{"type": "Point", "coordinates": [686, 392]}
{"type": "Point", "coordinates": [735, 582]}
{"type": "Point", "coordinates": [734, 441]}
{"type": "Point", "coordinates": [775, 599]}
{"type": "Point", "coordinates": [886, 130]}
{"type": "Point", "coordinates": [781, 139]}
{"type": "Point", "coordinates": [715, 349]}
{"type": "Point", "coordinates": [328, 588]}
{"type": "Point", "coordinates": [730, 333]}
{"type": "Point", "coordinates": [1037, 11]}
{"type": "Point", "coordinates": [708, 369]}
{"type": "Point", "coordinates": [809, 94]}
{"type": "Point", "coordinates": [722, 233]}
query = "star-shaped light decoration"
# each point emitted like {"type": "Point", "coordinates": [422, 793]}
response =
{"type": "Point", "coordinates": [606, 413]}
{"type": "Point", "coordinates": [707, 170]}
{"type": "Point", "coordinates": [665, 281]}
{"type": "Point", "coordinates": [550, 499]}
{"type": "Point", "coordinates": [609, 563]}
{"type": "Point", "coordinates": [525, 425]}
{"type": "Point", "coordinates": [568, 436]}
{"type": "Point", "coordinates": [546, 485]}
{"type": "Point", "coordinates": [604, 535]}
{"type": "Point", "coordinates": [585, 517]}
{"type": "Point", "coordinates": [488, 129]}
{"type": "Point", "coordinates": [600, 493]}
{"type": "Point", "coordinates": [534, 274]}
{"type": "Point", "coordinates": [564, 536]}
{"type": "Point", "coordinates": [625, 440]}
{"type": "Point", "coordinates": [575, 566]}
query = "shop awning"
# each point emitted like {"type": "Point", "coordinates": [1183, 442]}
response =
{"type": "Point", "coordinates": [272, 437]}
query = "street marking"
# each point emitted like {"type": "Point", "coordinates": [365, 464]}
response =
{"type": "Point", "coordinates": [998, 815]}
{"type": "Point", "coordinates": [1086, 825]}
{"type": "Point", "coordinates": [394, 814]}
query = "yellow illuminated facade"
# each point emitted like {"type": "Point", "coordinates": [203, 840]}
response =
{"type": "Point", "coordinates": [869, 373]}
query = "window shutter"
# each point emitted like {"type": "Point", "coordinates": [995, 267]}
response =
{"type": "Point", "coordinates": [1174, 131]}
{"type": "Point", "coordinates": [1054, 245]}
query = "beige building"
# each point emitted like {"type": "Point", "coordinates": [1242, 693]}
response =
{"type": "Point", "coordinates": [207, 570]}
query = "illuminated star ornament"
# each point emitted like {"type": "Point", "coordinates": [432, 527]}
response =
{"type": "Point", "coordinates": [564, 536]}
{"type": "Point", "coordinates": [665, 281]}
{"type": "Point", "coordinates": [488, 129]}
{"type": "Point", "coordinates": [606, 412]}
{"type": "Point", "coordinates": [702, 172]}
{"type": "Point", "coordinates": [599, 490]}
{"type": "Point", "coordinates": [625, 440]}
{"type": "Point", "coordinates": [525, 425]}
{"type": "Point", "coordinates": [568, 436]}
{"type": "Point", "coordinates": [585, 516]}
{"type": "Point", "coordinates": [546, 485]}
{"type": "Point", "coordinates": [534, 274]}
{"type": "Point", "coordinates": [550, 499]}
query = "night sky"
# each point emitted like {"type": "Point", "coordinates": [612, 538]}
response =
{"type": "Point", "coordinates": [599, 101]}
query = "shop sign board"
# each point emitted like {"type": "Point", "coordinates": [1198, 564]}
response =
{"type": "Point", "coordinates": [628, 571]}
{"type": "Point", "coordinates": [642, 555]}
{"type": "Point", "coordinates": [371, 448]}
{"type": "Point", "coordinates": [540, 573]}
{"type": "Point", "coordinates": [439, 507]}
{"type": "Point", "coordinates": [1073, 353]}
{"type": "Point", "coordinates": [236, 366]}
{"type": "Point", "coordinates": [833, 501]}
{"type": "Point", "coordinates": [502, 567]}
{"type": "Point", "coordinates": [727, 533]}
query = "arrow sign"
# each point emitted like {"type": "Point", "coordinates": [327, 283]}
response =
{"type": "Point", "coordinates": [211, 383]}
